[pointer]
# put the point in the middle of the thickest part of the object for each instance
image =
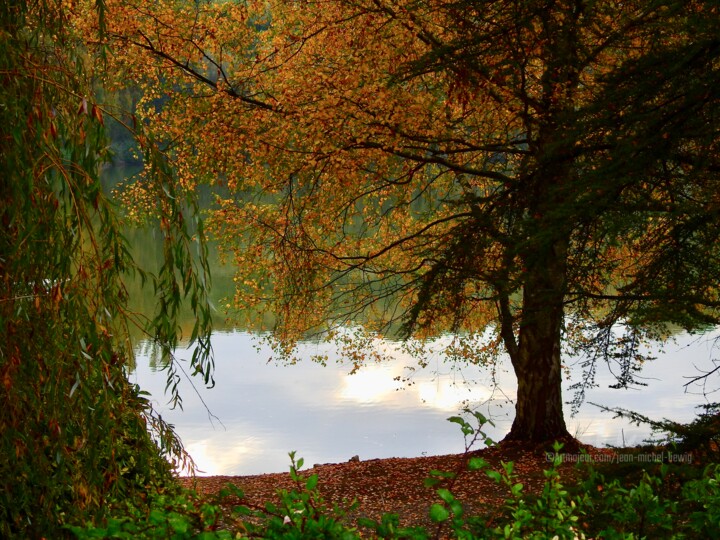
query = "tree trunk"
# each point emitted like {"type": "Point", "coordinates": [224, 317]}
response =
{"type": "Point", "coordinates": [536, 356]}
{"type": "Point", "coordinates": [536, 359]}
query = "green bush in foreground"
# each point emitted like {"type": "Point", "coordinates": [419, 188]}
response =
{"type": "Point", "coordinates": [653, 507]}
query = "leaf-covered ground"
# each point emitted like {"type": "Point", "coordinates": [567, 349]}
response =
{"type": "Point", "coordinates": [397, 484]}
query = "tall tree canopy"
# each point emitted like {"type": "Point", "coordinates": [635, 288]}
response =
{"type": "Point", "coordinates": [545, 169]}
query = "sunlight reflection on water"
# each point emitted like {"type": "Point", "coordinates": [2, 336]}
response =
{"type": "Point", "coordinates": [264, 410]}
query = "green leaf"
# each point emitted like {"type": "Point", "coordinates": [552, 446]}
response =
{"type": "Point", "coordinates": [208, 535]}
{"type": "Point", "coordinates": [179, 523]}
{"type": "Point", "coordinates": [438, 513]}
{"type": "Point", "coordinates": [494, 475]}
{"type": "Point", "coordinates": [312, 482]}
{"type": "Point", "coordinates": [442, 474]}
{"type": "Point", "coordinates": [431, 482]}
{"type": "Point", "coordinates": [156, 516]}
{"type": "Point", "coordinates": [476, 463]}
{"type": "Point", "coordinates": [445, 495]}
{"type": "Point", "coordinates": [456, 508]}
{"type": "Point", "coordinates": [466, 428]}
{"type": "Point", "coordinates": [481, 418]}
{"type": "Point", "coordinates": [242, 511]}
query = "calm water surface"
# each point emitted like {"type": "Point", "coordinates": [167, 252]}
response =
{"type": "Point", "coordinates": [263, 410]}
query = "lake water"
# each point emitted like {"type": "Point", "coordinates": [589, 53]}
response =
{"type": "Point", "coordinates": [264, 410]}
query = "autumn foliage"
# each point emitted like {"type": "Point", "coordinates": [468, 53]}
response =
{"type": "Point", "coordinates": [545, 170]}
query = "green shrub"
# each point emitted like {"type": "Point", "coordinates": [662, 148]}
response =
{"type": "Point", "coordinates": [301, 513]}
{"type": "Point", "coordinates": [651, 507]}
{"type": "Point", "coordinates": [701, 436]}
{"type": "Point", "coordinates": [178, 515]}
{"type": "Point", "coordinates": [701, 499]}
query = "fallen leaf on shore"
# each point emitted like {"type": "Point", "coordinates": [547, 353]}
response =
{"type": "Point", "coordinates": [397, 484]}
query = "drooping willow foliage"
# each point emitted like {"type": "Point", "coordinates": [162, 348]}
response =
{"type": "Point", "coordinates": [75, 435]}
